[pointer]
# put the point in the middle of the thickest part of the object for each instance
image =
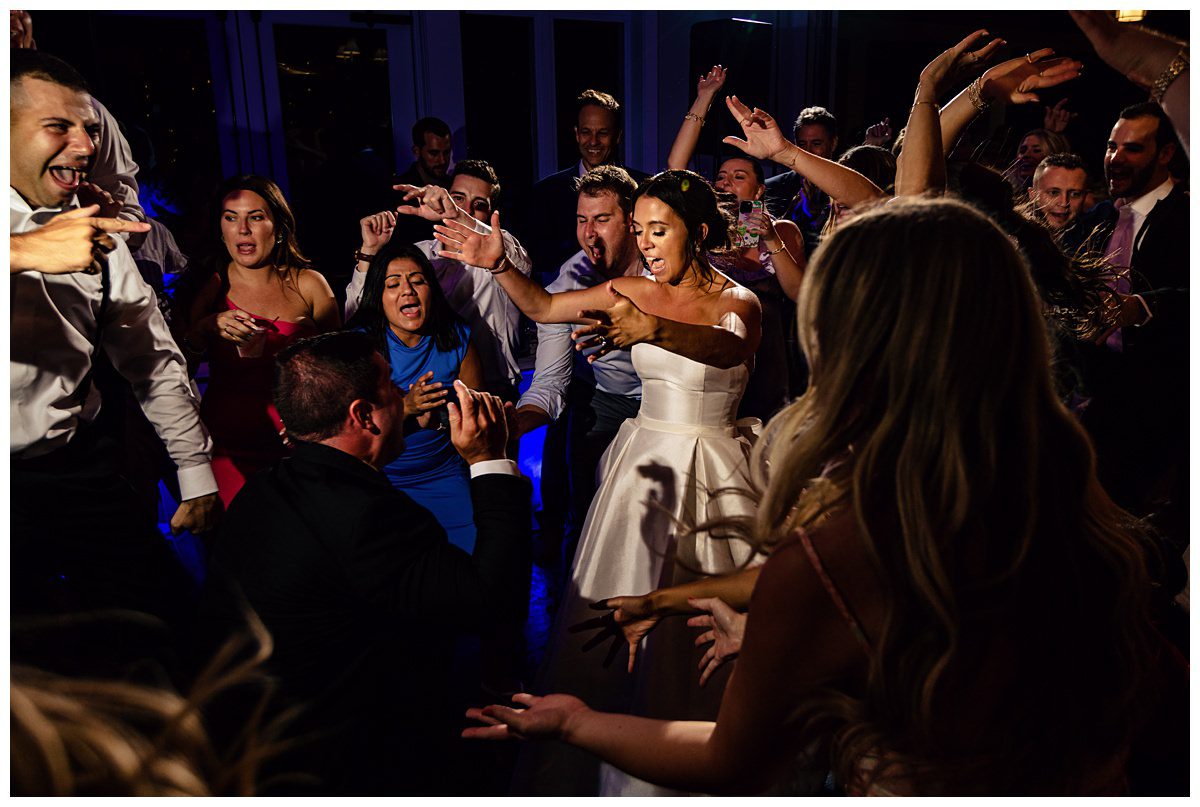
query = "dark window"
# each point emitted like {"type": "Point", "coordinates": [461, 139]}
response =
{"type": "Point", "coordinates": [161, 93]}
{"type": "Point", "coordinates": [587, 55]}
{"type": "Point", "coordinates": [497, 55]}
{"type": "Point", "coordinates": [336, 99]}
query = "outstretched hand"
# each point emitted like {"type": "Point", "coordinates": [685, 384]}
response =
{"type": "Point", "coordinates": [74, 241]}
{"type": "Point", "coordinates": [460, 242]}
{"type": "Point", "coordinates": [1014, 81]}
{"type": "Point", "coordinates": [724, 628]}
{"type": "Point", "coordinates": [432, 202]}
{"type": "Point", "coordinates": [618, 327]}
{"type": "Point", "coordinates": [543, 718]}
{"type": "Point", "coordinates": [949, 66]}
{"type": "Point", "coordinates": [764, 139]}
{"type": "Point", "coordinates": [634, 617]}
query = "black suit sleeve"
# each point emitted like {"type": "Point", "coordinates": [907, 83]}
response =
{"type": "Point", "coordinates": [404, 565]}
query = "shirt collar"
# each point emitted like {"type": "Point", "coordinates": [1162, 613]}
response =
{"type": "Point", "coordinates": [1146, 202]}
{"type": "Point", "coordinates": [17, 202]}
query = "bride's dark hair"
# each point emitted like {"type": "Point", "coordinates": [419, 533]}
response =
{"type": "Point", "coordinates": [697, 203]}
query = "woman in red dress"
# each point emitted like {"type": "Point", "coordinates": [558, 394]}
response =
{"type": "Point", "coordinates": [262, 296]}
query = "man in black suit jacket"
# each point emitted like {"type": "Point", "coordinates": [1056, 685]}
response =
{"type": "Point", "coordinates": [357, 583]}
{"type": "Point", "coordinates": [544, 218]}
{"type": "Point", "coordinates": [1139, 413]}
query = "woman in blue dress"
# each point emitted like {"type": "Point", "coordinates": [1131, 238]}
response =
{"type": "Point", "coordinates": [428, 346]}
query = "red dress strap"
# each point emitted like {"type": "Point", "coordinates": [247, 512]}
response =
{"type": "Point", "coordinates": [834, 594]}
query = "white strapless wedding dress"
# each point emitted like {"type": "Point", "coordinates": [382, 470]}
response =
{"type": "Point", "coordinates": [681, 461]}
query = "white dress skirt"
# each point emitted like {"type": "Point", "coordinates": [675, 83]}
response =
{"type": "Point", "coordinates": [681, 461]}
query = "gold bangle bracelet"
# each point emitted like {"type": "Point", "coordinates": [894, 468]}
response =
{"type": "Point", "coordinates": [1173, 71]}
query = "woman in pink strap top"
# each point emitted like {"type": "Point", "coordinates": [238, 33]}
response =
{"type": "Point", "coordinates": [952, 604]}
{"type": "Point", "coordinates": [263, 296]}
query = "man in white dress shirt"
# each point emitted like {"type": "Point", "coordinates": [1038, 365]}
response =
{"type": "Point", "coordinates": [77, 539]}
{"type": "Point", "coordinates": [597, 397]}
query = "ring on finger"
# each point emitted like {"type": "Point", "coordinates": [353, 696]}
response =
{"type": "Point", "coordinates": [1029, 58]}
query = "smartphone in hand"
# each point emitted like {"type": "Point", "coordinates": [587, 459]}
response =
{"type": "Point", "coordinates": [748, 231]}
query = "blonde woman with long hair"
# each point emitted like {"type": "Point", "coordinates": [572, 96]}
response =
{"type": "Point", "coordinates": [952, 604]}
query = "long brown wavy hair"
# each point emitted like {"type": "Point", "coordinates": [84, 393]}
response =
{"type": "Point", "coordinates": [286, 257]}
{"type": "Point", "coordinates": [1016, 635]}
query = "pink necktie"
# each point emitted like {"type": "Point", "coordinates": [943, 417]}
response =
{"type": "Point", "coordinates": [1120, 256]}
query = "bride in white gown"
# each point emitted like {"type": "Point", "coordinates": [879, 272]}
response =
{"type": "Point", "coordinates": [680, 462]}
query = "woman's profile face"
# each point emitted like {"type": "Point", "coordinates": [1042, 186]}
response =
{"type": "Point", "coordinates": [405, 297]}
{"type": "Point", "coordinates": [247, 229]}
{"type": "Point", "coordinates": [662, 238]}
{"type": "Point", "coordinates": [737, 176]}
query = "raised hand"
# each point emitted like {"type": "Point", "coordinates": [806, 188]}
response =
{"type": "Point", "coordinates": [618, 327]}
{"type": "Point", "coordinates": [1014, 81]}
{"type": "Point", "coordinates": [764, 139]}
{"type": "Point", "coordinates": [461, 242]}
{"type": "Point", "coordinates": [20, 30]}
{"type": "Point", "coordinates": [949, 65]}
{"type": "Point", "coordinates": [478, 424]}
{"type": "Point", "coordinates": [376, 230]}
{"type": "Point", "coordinates": [424, 395]}
{"type": "Point", "coordinates": [723, 631]}
{"type": "Point", "coordinates": [879, 134]}
{"type": "Point", "coordinates": [711, 82]}
{"type": "Point", "coordinates": [433, 202]}
{"type": "Point", "coordinates": [1058, 116]}
{"type": "Point", "coordinates": [544, 718]}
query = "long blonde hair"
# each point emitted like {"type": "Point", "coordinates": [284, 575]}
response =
{"type": "Point", "coordinates": [931, 414]}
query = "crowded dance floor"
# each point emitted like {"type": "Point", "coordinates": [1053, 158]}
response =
{"type": "Point", "coordinates": [619, 403]}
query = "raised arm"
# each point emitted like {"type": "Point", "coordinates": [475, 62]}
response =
{"type": "Point", "coordinates": [463, 242]}
{"type": "Point", "coordinates": [765, 140]}
{"type": "Point", "coordinates": [1145, 57]}
{"type": "Point", "coordinates": [1010, 82]}
{"type": "Point", "coordinates": [689, 131]}
{"type": "Point", "coordinates": [921, 165]}
{"type": "Point", "coordinates": [637, 616]}
{"type": "Point", "coordinates": [755, 737]}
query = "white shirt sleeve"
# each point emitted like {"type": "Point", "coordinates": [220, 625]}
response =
{"type": "Point", "coordinates": [551, 370]}
{"type": "Point", "coordinates": [354, 290]}
{"type": "Point", "coordinates": [507, 467]}
{"type": "Point", "coordinates": [141, 348]}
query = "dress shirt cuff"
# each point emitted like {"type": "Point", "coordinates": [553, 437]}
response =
{"type": "Point", "coordinates": [196, 481]}
{"type": "Point", "coordinates": [507, 467]}
{"type": "Point", "coordinates": [1146, 308]}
